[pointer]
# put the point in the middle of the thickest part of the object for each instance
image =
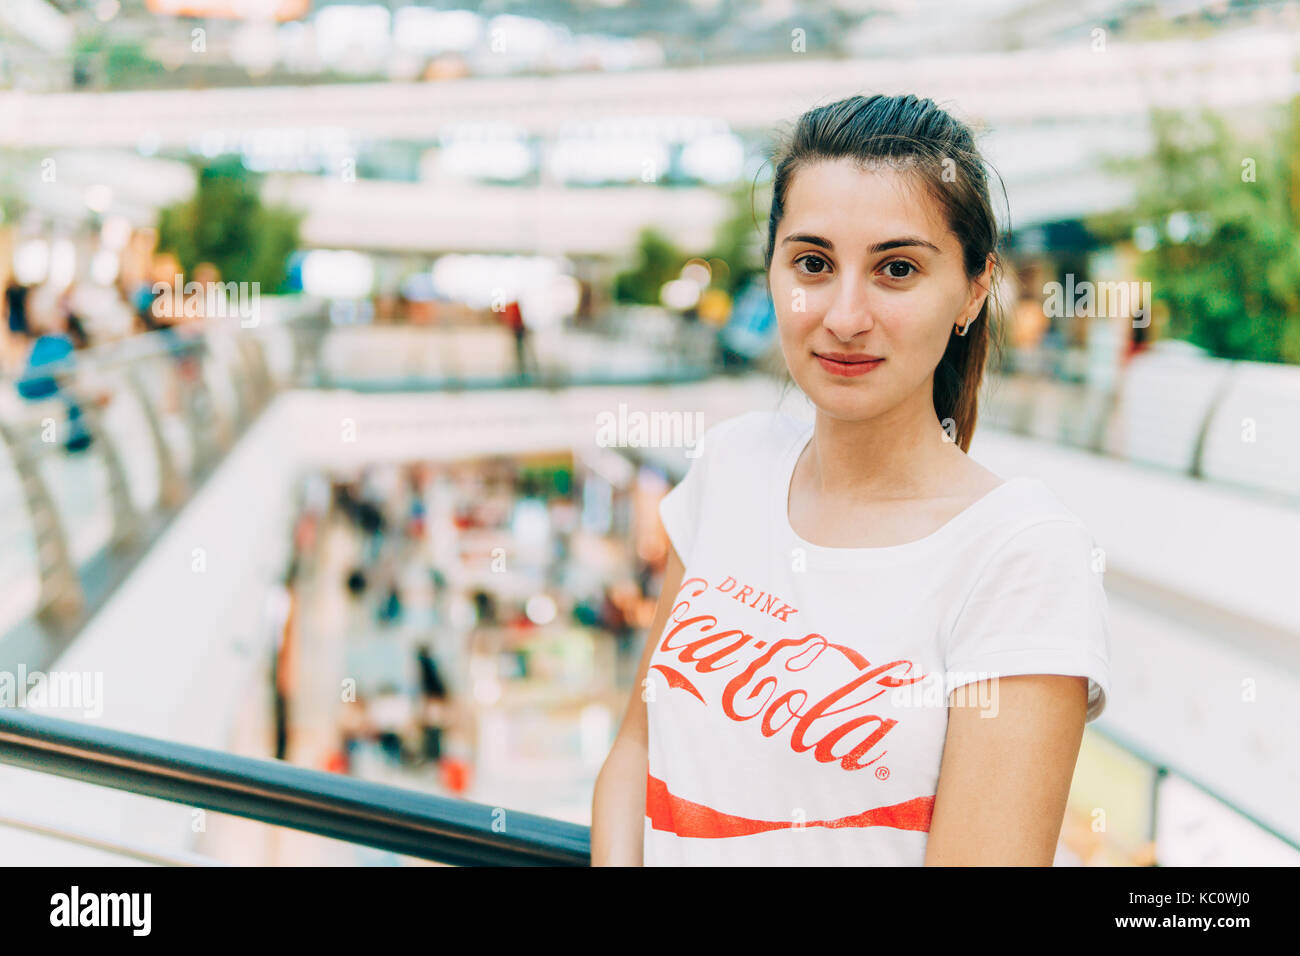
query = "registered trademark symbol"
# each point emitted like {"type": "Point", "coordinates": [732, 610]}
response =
{"type": "Point", "coordinates": [882, 773]}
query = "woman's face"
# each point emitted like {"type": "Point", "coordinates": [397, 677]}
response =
{"type": "Point", "coordinates": [865, 265]}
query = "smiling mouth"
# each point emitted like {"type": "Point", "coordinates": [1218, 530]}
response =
{"type": "Point", "coordinates": [848, 365]}
{"type": "Point", "coordinates": [848, 359]}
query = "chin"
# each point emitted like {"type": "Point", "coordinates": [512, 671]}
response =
{"type": "Point", "coordinates": [845, 402]}
{"type": "Point", "coordinates": [845, 411]}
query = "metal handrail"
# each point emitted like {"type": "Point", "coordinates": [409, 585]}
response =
{"type": "Point", "coordinates": [128, 350]}
{"type": "Point", "coordinates": [406, 822]}
{"type": "Point", "coordinates": [1161, 769]}
{"type": "Point", "coordinates": [70, 591]}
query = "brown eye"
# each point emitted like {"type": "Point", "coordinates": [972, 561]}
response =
{"type": "Point", "coordinates": [810, 258]}
{"type": "Point", "coordinates": [905, 264]}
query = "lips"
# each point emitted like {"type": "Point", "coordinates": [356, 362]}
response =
{"type": "Point", "coordinates": [848, 357]}
{"type": "Point", "coordinates": [841, 363]}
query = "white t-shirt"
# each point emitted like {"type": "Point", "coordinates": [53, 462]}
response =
{"type": "Point", "coordinates": [797, 698]}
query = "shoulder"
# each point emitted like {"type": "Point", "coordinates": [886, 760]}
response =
{"type": "Point", "coordinates": [1040, 526]}
{"type": "Point", "coordinates": [1027, 516]}
{"type": "Point", "coordinates": [1041, 504]}
{"type": "Point", "coordinates": [1033, 554]}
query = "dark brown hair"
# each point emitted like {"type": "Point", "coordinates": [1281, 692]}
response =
{"type": "Point", "coordinates": [913, 136]}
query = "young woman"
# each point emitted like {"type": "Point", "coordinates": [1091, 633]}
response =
{"type": "Point", "coordinates": [869, 649]}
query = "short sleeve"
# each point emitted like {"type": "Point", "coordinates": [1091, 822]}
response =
{"type": "Point", "coordinates": [680, 509]}
{"type": "Point", "coordinates": [1037, 607]}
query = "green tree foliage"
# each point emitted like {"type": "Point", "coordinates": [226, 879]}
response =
{"type": "Point", "coordinates": [658, 262]}
{"type": "Point", "coordinates": [739, 240]}
{"type": "Point", "coordinates": [225, 223]}
{"type": "Point", "coordinates": [1224, 214]}
{"type": "Point", "coordinates": [100, 59]}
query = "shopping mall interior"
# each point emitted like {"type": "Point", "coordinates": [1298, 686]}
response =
{"type": "Point", "coordinates": [351, 348]}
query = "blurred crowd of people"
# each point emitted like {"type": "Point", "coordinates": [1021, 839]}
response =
{"type": "Point", "coordinates": [45, 327]}
{"type": "Point", "coordinates": [78, 316]}
{"type": "Point", "coordinates": [447, 564]}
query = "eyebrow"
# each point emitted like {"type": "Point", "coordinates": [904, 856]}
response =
{"type": "Point", "coordinates": [871, 250]}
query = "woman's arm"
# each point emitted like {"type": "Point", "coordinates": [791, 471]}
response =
{"type": "Point", "coordinates": [1006, 771]}
{"type": "Point", "coordinates": [618, 805]}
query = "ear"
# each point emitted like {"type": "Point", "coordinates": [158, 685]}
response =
{"type": "Point", "coordinates": [979, 290]}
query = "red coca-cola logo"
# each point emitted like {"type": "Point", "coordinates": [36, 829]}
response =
{"type": "Point", "coordinates": [765, 682]}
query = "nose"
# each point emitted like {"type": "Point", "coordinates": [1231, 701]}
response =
{"type": "Point", "coordinates": [850, 310]}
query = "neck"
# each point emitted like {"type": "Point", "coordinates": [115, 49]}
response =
{"type": "Point", "coordinates": [900, 454]}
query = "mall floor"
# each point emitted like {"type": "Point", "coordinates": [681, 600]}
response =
{"type": "Point", "coordinates": [534, 748]}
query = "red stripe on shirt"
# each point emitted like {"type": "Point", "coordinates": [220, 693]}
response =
{"type": "Point", "coordinates": [673, 814]}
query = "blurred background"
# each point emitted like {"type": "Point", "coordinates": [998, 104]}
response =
{"type": "Point", "coordinates": [339, 337]}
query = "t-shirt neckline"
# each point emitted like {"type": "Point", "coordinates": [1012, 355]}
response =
{"type": "Point", "coordinates": [886, 555]}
